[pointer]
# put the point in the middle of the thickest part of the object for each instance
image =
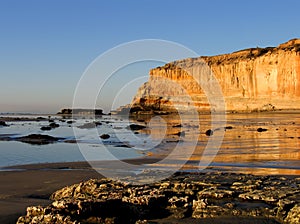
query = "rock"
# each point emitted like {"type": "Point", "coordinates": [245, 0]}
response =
{"type": "Point", "coordinates": [53, 125]}
{"type": "Point", "coordinates": [136, 127]}
{"type": "Point", "coordinates": [105, 136]}
{"type": "Point", "coordinates": [72, 141]}
{"type": "Point", "coordinates": [89, 125]}
{"type": "Point", "coordinates": [123, 146]}
{"type": "Point", "coordinates": [37, 139]}
{"type": "Point", "coordinates": [180, 133]}
{"type": "Point", "coordinates": [177, 126]}
{"type": "Point", "coordinates": [209, 132]}
{"type": "Point", "coordinates": [214, 193]}
{"type": "Point", "coordinates": [268, 107]}
{"type": "Point", "coordinates": [179, 198]}
{"type": "Point", "coordinates": [293, 215]}
{"type": "Point", "coordinates": [41, 118]}
{"type": "Point", "coordinates": [70, 122]}
{"type": "Point", "coordinates": [261, 129]}
{"type": "Point", "coordinates": [46, 128]}
{"type": "Point", "coordinates": [228, 128]}
{"type": "Point", "coordinates": [2, 123]}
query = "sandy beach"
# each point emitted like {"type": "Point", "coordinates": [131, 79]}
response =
{"type": "Point", "coordinates": [28, 185]}
{"type": "Point", "coordinates": [35, 183]}
{"type": "Point", "coordinates": [32, 185]}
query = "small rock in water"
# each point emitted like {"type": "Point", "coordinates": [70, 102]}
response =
{"type": "Point", "coordinates": [261, 129]}
{"type": "Point", "coordinates": [180, 133]}
{"type": "Point", "coordinates": [87, 126]}
{"type": "Point", "coordinates": [53, 125]}
{"type": "Point", "coordinates": [136, 127]}
{"type": "Point", "coordinates": [97, 123]}
{"type": "Point", "coordinates": [37, 139]}
{"type": "Point", "coordinates": [228, 127]}
{"type": "Point", "coordinates": [209, 132]}
{"type": "Point", "coordinates": [177, 126]}
{"type": "Point", "coordinates": [46, 128]}
{"type": "Point", "coordinates": [2, 123]}
{"type": "Point", "coordinates": [105, 136]}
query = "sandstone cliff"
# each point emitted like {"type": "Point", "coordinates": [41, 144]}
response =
{"type": "Point", "coordinates": [251, 79]}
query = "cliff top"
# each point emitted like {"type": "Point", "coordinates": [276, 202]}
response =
{"type": "Point", "coordinates": [245, 54]}
{"type": "Point", "coordinates": [252, 53]}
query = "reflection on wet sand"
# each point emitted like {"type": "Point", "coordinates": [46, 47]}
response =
{"type": "Point", "coordinates": [245, 148]}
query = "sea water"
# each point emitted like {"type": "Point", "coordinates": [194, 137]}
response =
{"type": "Point", "coordinates": [243, 148]}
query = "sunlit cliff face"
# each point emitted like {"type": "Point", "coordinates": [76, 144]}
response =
{"type": "Point", "coordinates": [251, 79]}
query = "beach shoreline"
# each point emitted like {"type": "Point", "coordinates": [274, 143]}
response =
{"type": "Point", "coordinates": [32, 184]}
{"type": "Point", "coordinates": [28, 185]}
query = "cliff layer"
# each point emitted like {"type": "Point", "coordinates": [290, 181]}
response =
{"type": "Point", "coordinates": [251, 79]}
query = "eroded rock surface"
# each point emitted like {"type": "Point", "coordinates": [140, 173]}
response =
{"type": "Point", "coordinates": [184, 197]}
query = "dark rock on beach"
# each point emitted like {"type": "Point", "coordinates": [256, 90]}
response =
{"type": "Point", "coordinates": [136, 127]}
{"type": "Point", "coordinates": [37, 139]}
{"type": "Point", "coordinates": [46, 128]}
{"type": "Point", "coordinates": [228, 128]}
{"type": "Point", "coordinates": [209, 132]}
{"type": "Point", "coordinates": [177, 126]}
{"type": "Point", "coordinates": [182, 198]}
{"type": "Point", "coordinates": [2, 123]}
{"type": "Point", "coordinates": [54, 125]}
{"type": "Point", "coordinates": [105, 136]}
{"type": "Point", "coordinates": [89, 125]}
{"type": "Point", "coordinates": [180, 133]}
{"type": "Point", "coordinates": [261, 129]}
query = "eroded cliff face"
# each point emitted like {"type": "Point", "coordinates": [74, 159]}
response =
{"type": "Point", "coordinates": [251, 79]}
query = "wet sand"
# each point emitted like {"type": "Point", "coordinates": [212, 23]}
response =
{"type": "Point", "coordinates": [28, 185]}
{"type": "Point", "coordinates": [34, 184]}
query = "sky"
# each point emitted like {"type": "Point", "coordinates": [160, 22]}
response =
{"type": "Point", "coordinates": [46, 46]}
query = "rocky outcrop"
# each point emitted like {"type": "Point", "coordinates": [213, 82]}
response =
{"type": "Point", "coordinates": [3, 124]}
{"type": "Point", "coordinates": [251, 80]}
{"type": "Point", "coordinates": [81, 112]}
{"type": "Point", "coordinates": [182, 198]}
{"type": "Point", "coordinates": [33, 139]}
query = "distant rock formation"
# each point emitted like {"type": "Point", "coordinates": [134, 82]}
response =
{"type": "Point", "coordinates": [81, 111]}
{"type": "Point", "coordinates": [256, 79]}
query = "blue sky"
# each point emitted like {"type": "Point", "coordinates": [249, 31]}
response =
{"type": "Point", "coordinates": [45, 46]}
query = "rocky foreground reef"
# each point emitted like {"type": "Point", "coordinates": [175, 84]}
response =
{"type": "Point", "coordinates": [256, 79]}
{"type": "Point", "coordinates": [183, 198]}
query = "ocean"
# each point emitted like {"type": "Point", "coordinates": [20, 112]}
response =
{"type": "Point", "coordinates": [259, 143]}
